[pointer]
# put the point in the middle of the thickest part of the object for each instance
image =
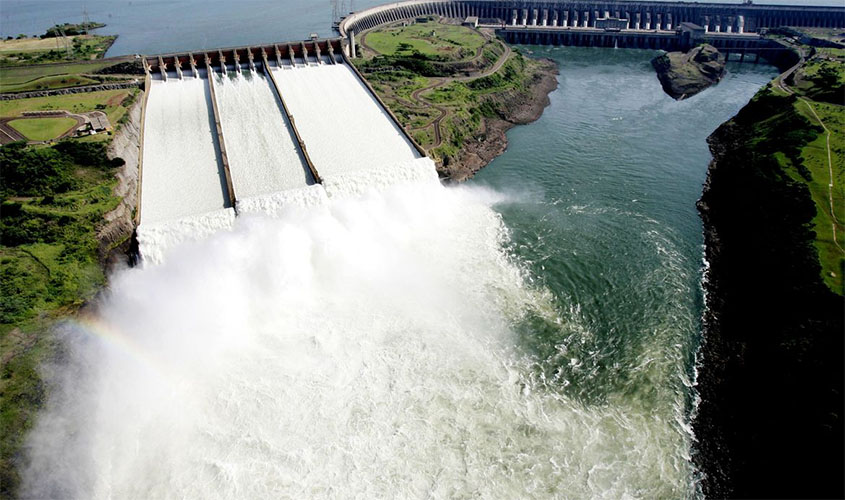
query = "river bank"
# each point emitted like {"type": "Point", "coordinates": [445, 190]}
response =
{"type": "Point", "coordinates": [771, 370]}
{"type": "Point", "coordinates": [512, 107]}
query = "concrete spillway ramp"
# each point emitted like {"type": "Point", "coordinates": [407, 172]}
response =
{"type": "Point", "coordinates": [182, 174]}
{"type": "Point", "coordinates": [344, 128]}
{"type": "Point", "coordinates": [184, 193]}
{"type": "Point", "coordinates": [263, 155]}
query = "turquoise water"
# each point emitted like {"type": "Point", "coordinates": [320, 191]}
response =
{"type": "Point", "coordinates": [601, 208]}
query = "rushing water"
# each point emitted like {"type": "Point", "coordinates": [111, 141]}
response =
{"type": "Point", "coordinates": [528, 335]}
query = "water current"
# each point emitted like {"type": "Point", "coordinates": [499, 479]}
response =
{"type": "Point", "coordinates": [529, 334]}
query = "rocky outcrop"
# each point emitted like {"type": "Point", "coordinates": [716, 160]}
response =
{"type": "Point", "coordinates": [770, 374]}
{"type": "Point", "coordinates": [515, 107]}
{"type": "Point", "coordinates": [115, 235]}
{"type": "Point", "coordinates": [684, 74]}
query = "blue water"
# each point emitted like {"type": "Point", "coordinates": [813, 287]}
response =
{"type": "Point", "coordinates": [602, 209]}
{"type": "Point", "coordinates": [161, 26]}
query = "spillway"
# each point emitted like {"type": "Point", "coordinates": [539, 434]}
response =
{"type": "Point", "coordinates": [182, 175]}
{"type": "Point", "coordinates": [344, 127]}
{"type": "Point", "coordinates": [263, 154]}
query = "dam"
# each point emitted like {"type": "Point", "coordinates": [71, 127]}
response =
{"type": "Point", "coordinates": [255, 129]}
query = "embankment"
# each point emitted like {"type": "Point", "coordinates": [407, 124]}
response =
{"type": "Point", "coordinates": [771, 365]}
{"type": "Point", "coordinates": [115, 235]}
{"type": "Point", "coordinates": [513, 106]}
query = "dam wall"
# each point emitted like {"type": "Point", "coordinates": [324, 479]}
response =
{"type": "Point", "coordinates": [639, 15]}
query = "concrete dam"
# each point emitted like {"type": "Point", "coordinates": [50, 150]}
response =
{"type": "Point", "coordinates": [256, 129]}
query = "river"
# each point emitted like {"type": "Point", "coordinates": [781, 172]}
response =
{"type": "Point", "coordinates": [531, 333]}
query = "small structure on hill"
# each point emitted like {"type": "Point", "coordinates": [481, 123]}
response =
{"type": "Point", "coordinates": [471, 21]}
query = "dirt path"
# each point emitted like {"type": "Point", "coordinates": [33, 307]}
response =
{"type": "Point", "coordinates": [421, 102]}
{"type": "Point", "coordinates": [834, 220]}
{"type": "Point", "coordinates": [444, 112]}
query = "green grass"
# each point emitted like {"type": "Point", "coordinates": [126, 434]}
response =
{"type": "Point", "coordinates": [815, 159]}
{"type": "Point", "coordinates": [23, 78]}
{"type": "Point", "coordinates": [53, 50]}
{"type": "Point", "coordinates": [51, 82]}
{"type": "Point", "coordinates": [108, 100]}
{"type": "Point", "coordinates": [54, 199]}
{"type": "Point", "coordinates": [42, 129]}
{"type": "Point", "coordinates": [453, 42]}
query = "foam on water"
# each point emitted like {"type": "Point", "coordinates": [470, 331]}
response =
{"type": "Point", "coordinates": [156, 240]}
{"type": "Point", "coordinates": [343, 126]}
{"type": "Point", "coordinates": [364, 348]}
{"type": "Point", "coordinates": [276, 204]}
{"type": "Point", "coordinates": [181, 175]}
{"type": "Point", "coordinates": [263, 155]}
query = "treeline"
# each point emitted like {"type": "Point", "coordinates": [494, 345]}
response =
{"type": "Point", "coordinates": [69, 29]}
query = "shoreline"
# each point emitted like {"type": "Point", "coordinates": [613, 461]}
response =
{"type": "Point", "coordinates": [520, 108]}
{"type": "Point", "coordinates": [770, 334]}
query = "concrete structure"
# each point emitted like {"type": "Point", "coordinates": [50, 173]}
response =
{"type": "Point", "coordinates": [632, 24]}
{"type": "Point", "coordinates": [642, 15]}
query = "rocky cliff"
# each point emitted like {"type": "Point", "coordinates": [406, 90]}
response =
{"type": "Point", "coordinates": [771, 365]}
{"type": "Point", "coordinates": [114, 237]}
{"type": "Point", "coordinates": [684, 74]}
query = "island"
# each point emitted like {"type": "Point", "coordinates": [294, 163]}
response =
{"type": "Point", "coordinates": [684, 74]}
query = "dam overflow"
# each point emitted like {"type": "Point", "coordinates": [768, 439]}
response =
{"type": "Point", "coordinates": [255, 129]}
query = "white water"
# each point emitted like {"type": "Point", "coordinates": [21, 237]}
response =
{"type": "Point", "coordinates": [362, 348]}
{"type": "Point", "coordinates": [263, 156]}
{"type": "Point", "coordinates": [181, 175]}
{"type": "Point", "coordinates": [342, 125]}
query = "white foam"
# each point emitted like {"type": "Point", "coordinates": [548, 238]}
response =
{"type": "Point", "coordinates": [181, 175]}
{"type": "Point", "coordinates": [356, 183]}
{"type": "Point", "coordinates": [263, 155]}
{"type": "Point", "coordinates": [364, 349]}
{"type": "Point", "coordinates": [276, 204]}
{"type": "Point", "coordinates": [342, 125]}
{"type": "Point", "coordinates": [156, 240]}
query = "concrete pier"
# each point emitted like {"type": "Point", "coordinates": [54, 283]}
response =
{"type": "Point", "coordinates": [224, 158]}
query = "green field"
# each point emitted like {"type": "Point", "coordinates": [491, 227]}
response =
{"type": "Point", "coordinates": [831, 255]}
{"type": "Point", "coordinates": [53, 201]}
{"type": "Point", "coordinates": [111, 102]}
{"type": "Point", "coordinates": [42, 129]}
{"type": "Point", "coordinates": [454, 43]}
{"type": "Point", "coordinates": [51, 50]}
{"type": "Point", "coordinates": [46, 76]}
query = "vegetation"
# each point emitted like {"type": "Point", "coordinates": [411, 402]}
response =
{"type": "Point", "coordinates": [114, 103]}
{"type": "Point", "coordinates": [53, 199]}
{"type": "Point", "coordinates": [775, 318]}
{"type": "Point", "coordinates": [440, 41]}
{"type": "Point", "coordinates": [49, 76]}
{"type": "Point", "coordinates": [42, 129]}
{"type": "Point", "coordinates": [440, 85]}
{"type": "Point", "coordinates": [68, 29]}
{"type": "Point", "coordinates": [24, 51]}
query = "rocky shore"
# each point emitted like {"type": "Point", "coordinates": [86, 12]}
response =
{"type": "Point", "coordinates": [771, 365]}
{"type": "Point", "coordinates": [513, 108]}
{"type": "Point", "coordinates": [684, 74]}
